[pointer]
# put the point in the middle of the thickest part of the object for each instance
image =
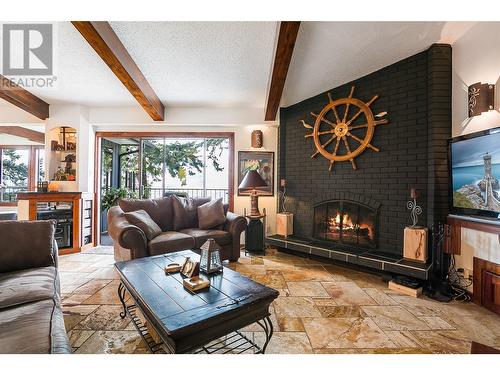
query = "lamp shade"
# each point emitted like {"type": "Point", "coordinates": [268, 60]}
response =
{"type": "Point", "coordinates": [252, 180]}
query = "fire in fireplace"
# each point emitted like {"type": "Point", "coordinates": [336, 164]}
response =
{"type": "Point", "coordinates": [346, 222]}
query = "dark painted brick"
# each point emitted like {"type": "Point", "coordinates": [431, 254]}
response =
{"type": "Point", "coordinates": [416, 92]}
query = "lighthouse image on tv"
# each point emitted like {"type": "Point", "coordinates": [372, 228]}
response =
{"type": "Point", "coordinates": [476, 173]}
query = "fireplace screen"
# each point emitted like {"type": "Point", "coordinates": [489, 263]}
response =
{"type": "Point", "coordinates": [345, 222]}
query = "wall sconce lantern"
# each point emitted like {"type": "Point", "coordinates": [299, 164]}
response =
{"type": "Point", "coordinates": [257, 139]}
{"type": "Point", "coordinates": [481, 98]}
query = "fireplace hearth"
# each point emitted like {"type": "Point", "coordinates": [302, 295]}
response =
{"type": "Point", "coordinates": [346, 222]}
{"type": "Point", "coordinates": [345, 228]}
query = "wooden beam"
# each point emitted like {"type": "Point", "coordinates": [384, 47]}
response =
{"type": "Point", "coordinates": [284, 50]}
{"type": "Point", "coordinates": [23, 99]}
{"type": "Point", "coordinates": [19, 131]}
{"type": "Point", "coordinates": [103, 39]}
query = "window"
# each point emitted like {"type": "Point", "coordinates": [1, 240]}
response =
{"type": "Point", "coordinates": [155, 166]}
{"type": "Point", "coordinates": [195, 166]}
{"type": "Point", "coordinates": [21, 168]}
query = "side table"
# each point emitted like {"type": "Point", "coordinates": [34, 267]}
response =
{"type": "Point", "coordinates": [255, 234]}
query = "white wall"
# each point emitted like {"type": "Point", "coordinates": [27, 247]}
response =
{"type": "Point", "coordinates": [196, 116]}
{"type": "Point", "coordinates": [76, 117]}
{"type": "Point", "coordinates": [476, 58]}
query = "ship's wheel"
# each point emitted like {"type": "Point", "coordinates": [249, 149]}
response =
{"type": "Point", "coordinates": [343, 138]}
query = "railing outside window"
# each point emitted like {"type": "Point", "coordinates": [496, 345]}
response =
{"type": "Point", "coordinates": [21, 167]}
{"type": "Point", "coordinates": [8, 193]}
{"type": "Point", "coordinates": [193, 193]}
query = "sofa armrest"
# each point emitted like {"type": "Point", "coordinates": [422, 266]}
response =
{"type": "Point", "coordinates": [235, 225]}
{"type": "Point", "coordinates": [125, 234]}
{"type": "Point", "coordinates": [55, 253]}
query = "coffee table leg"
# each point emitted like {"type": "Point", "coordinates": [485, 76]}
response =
{"type": "Point", "coordinates": [267, 326]}
{"type": "Point", "coordinates": [121, 295]}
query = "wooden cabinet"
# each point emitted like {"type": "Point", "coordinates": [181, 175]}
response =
{"type": "Point", "coordinates": [491, 291]}
{"type": "Point", "coordinates": [87, 221]}
{"type": "Point", "coordinates": [73, 212]}
{"type": "Point", "coordinates": [457, 223]}
{"type": "Point", "coordinates": [487, 284]}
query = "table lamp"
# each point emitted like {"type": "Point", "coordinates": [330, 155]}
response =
{"type": "Point", "coordinates": [252, 181]}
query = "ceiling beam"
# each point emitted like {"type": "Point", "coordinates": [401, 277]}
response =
{"type": "Point", "coordinates": [19, 131]}
{"type": "Point", "coordinates": [284, 50]}
{"type": "Point", "coordinates": [23, 99]}
{"type": "Point", "coordinates": [103, 39]}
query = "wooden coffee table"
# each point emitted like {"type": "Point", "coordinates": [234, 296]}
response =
{"type": "Point", "coordinates": [206, 321]}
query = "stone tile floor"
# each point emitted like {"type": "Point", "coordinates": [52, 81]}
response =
{"type": "Point", "coordinates": [322, 308]}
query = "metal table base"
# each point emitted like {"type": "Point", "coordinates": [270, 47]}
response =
{"type": "Point", "coordinates": [232, 343]}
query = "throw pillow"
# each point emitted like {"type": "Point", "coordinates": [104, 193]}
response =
{"type": "Point", "coordinates": [160, 210]}
{"type": "Point", "coordinates": [211, 214]}
{"type": "Point", "coordinates": [24, 245]}
{"type": "Point", "coordinates": [186, 211]}
{"type": "Point", "coordinates": [141, 219]}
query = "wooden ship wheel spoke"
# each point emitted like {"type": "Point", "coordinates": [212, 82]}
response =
{"type": "Point", "coordinates": [341, 130]}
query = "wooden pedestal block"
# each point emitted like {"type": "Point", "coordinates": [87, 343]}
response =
{"type": "Point", "coordinates": [284, 224]}
{"type": "Point", "coordinates": [415, 244]}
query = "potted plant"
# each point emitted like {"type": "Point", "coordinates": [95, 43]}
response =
{"type": "Point", "coordinates": [110, 198]}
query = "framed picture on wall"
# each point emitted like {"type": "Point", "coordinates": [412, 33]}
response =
{"type": "Point", "coordinates": [263, 162]}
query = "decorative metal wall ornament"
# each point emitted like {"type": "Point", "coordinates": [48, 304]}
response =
{"type": "Point", "coordinates": [283, 196]}
{"type": "Point", "coordinates": [415, 209]}
{"type": "Point", "coordinates": [481, 98]}
{"type": "Point", "coordinates": [339, 129]}
{"type": "Point", "coordinates": [257, 140]}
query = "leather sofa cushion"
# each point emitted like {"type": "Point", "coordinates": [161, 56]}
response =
{"type": "Point", "coordinates": [141, 219]}
{"type": "Point", "coordinates": [26, 244]}
{"type": "Point", "coordinates": [160, 210]}
{"type": "Point", "coordinates": [36, 328]}
{"type": "Point", "coordinates": [202, 235]}
{"type": "Point", "coordinates": [186, 211]}
{"type": "Point", "coordinates": [168, 242]}
{"type": "Point", "coordinates": [25, 286]}
{"type": "Point", "coordinates": [211, 214]}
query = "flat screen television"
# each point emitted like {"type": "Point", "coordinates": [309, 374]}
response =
{"type": "Point", "coordinates": [475, 174]}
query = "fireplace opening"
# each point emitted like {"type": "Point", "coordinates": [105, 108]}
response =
{"type": "Point", "coordinates": [346, 222]}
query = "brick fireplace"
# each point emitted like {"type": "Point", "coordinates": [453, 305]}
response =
{"type": "Point", "coordinates": [346, 222]}
{"type": "Point", "coordinates": [416, 92]}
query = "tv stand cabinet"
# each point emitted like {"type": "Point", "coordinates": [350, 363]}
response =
{"type": "Point", "coordinates": [458, 222]}
{"type": "Point", "coordinates": [74, 212]}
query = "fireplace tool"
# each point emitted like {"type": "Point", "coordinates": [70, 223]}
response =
{"type": "Point", "coordinates": [438, 287]}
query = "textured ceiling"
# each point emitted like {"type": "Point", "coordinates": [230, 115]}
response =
{"type": "Point", "coordinates": [329, 54]}
{"type": "Point", "coordinates": [82, 77]}
{"type": "Point", "coordinates": [222, 64]}
{"type": "Point", "coordinates": [228, 64]}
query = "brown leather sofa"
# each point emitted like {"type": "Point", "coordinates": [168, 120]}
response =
{"type": "Point", "coordinates": [130, 242]}
{"type": "Point", "coordinates": [31, 319]}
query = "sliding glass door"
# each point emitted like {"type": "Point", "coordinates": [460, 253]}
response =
{"type": "Point", "coordinates": [192, 165]}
